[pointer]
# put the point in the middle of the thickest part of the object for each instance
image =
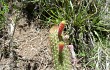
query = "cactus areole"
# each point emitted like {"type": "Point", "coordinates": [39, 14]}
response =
{"type": "Point", "coordinates": [61, 28]}
{"type": "Point", "coordinates": [61, 46]}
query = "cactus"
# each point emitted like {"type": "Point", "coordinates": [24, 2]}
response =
{"type": "Point", "coordinates": [60, 52]}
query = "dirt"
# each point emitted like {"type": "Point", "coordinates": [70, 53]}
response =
{"type": "Point", "coordinates": [32, 49]}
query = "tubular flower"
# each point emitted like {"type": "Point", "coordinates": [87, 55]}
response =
{"type": "Point", "coordinates": [61, 46]}
{"type": "Point", "coordinates": [61, 27]}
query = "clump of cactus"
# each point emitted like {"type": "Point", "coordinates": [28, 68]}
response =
{"type": "Point", "coordinates": [60, 52]}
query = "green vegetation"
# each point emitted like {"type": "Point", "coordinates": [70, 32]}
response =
{"type": "Point", "coordinates": [3, 11]}
{"type": "Point", "coordinates": [88, 26]}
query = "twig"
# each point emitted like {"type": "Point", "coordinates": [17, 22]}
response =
{"type": "Point", "coordinates": [14, 23]}
{"type": "Point", "coordinates": [73, 55]}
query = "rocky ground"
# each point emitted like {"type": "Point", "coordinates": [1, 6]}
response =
{"type": "Point", "coordinates": [32, 49]}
